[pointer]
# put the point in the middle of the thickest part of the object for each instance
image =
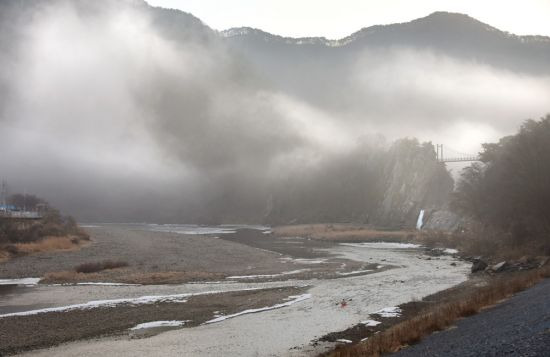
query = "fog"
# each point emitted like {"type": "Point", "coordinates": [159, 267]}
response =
{"type": "Point", "coordinates": [110, 116]}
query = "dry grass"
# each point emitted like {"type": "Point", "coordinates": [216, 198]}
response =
{"type": "Point", "coordinates": [99, 266]}
{"type": "Point", "coordinates": [68, 277]}
{"type": "Point", "coordinates": [171, 277]}
{"type": "Point", "coordinates": [4, 256]}
{"type": "Point", "coordinates": [342, 232]}
{"type": "Point", "coordinates": [82, 273]}
{"type": "Point", "coordinates": [442, 316]}
{"type": "Point", "coordinates": [489, 244]}
{"type": "Point", "coordinates": [48, 244]}
{"type": "Point", "coordinates": [123, 276]}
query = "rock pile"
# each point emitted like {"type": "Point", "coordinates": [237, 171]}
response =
{"type": "Point", "coordinates": [524, 263]}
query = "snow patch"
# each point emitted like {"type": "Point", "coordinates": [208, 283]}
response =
{"type": "Point", "coordinates": [309, 261]}
{"type": "Point", "coordinates": [295, 299]}
{"type": "Point", "coordinates": [382, 245]}
{"type": "Point", "coordinates": [192, 229]}
{"type": "Point", "coordinates": [371, 323]}
{"type": "Point", "coordinates": [354, 272]}
{"type": "Point", "coordinates": [343, 340]}
{"type": "Point", "coordinates": [236, 277]}
{"type": "Point", "coordinates": [447, 250]}
{"type": "Point", "coordinates": [23, 281]}
{"type": "Point", "coordinates": [113, 303]}
{"type": "Point", "coordinates": [303, 260]}
{"type": "Point", "coordinates": [103, 303]}
{"type": "Point", "coordinates": [153, 324]}
{"type": "Point", "coordinates": [393, 311]}
{"type": "Point", "coordinates": [203, 230]}
{"type": "Point", "coordinates": [105, 284]}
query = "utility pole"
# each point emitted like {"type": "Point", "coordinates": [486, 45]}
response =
{"type": "Point", "coordinates": [439, 152]}
{"type": "Point", "coordinates": [3, 195]}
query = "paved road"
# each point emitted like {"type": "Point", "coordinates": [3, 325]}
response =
{"type": "Point", "coordinates": [517, 327]}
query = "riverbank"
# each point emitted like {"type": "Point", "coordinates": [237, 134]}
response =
{"type": "Point", "coordinates": [49, 327]}
{"type": "Point", "coordinates": [26, 233]}
{"type": "Point", "coordinates": [46, 245]}
{"type": "Point", "coordinates": [370, 277]}
{"type": "Point", "coordinates": [440, 312]}
{"type": "Point", "coordinates": [148, 254]}
{"type": "Point", "coordinates": [518, 326]}
{"type": "Point", "coordinates": [493, 277]}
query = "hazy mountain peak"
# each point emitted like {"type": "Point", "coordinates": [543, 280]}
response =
{"type": "Point", "coordinates": [454, 20]}
{"type": "Point", "coordinates": [446, 15]}
{"type": "Point", "coordinates": [269, 37]}
{"type": "Point", "coordinates": [439, 24]}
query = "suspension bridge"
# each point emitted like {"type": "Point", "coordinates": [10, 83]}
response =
{"type": "Point", "coordinates": [450, 155]}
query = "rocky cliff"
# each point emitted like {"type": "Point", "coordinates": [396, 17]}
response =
{"type": "Point", "coordinates": [384, 187]}
{"type": "Point", "coordinates": [414, 180]}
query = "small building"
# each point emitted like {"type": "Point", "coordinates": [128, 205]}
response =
{"type": "Point", "coordinates": [7, 208]}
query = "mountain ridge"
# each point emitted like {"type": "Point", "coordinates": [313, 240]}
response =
{"type": "Point", "coordinates": [437, 16]}
{"type": "Point", "coordinates": [246, 121]}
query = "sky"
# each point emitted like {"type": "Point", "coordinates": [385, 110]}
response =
{"type": "Point", "coordinates": [338, 19]}
{"type": "Point", "coordinates": [111, 113]}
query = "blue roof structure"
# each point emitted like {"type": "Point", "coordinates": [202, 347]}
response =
{"type": "Point", "coordinates": [8, 208]}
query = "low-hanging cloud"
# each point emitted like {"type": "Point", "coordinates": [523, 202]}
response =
{"type": "Point", "coordinates": [425, 92]}
{"type": "Point", "coordinates": [110, 118]}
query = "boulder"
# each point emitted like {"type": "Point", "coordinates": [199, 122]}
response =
{"type": "Point", "coordinates": [478, 265]}
{"type": "Point", "coordinates": [498, 267]}
{"type": "Point", "coordinates": [543, 261]}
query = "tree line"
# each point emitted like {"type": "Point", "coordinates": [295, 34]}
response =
{"type": "Point", "coordinates": [509, 191]}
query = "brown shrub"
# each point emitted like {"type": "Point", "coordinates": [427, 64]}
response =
{"type": "Point", "coordinates": [4, 255]}
{"type": "Point", "coordinates": [94, 267]}
{"type": "Point", "coordinates": [485, 241]}
{"type": "Point", "coordinates": [342, 232]}
{"type": "Point", "coordinates": [168, 277]}
{"type": "Point", "coordinates": [11, 249]}
{"type": "Point", "coordinates": [67, 277]}
{"type": "Point", "coordinates": [46, 245]}
{"type": "Point", "coordinates": [51, 229]}
{"type": "Point", "coordinates": [171, 277]}
{"type": "Point", "coordinates": [436, 239]}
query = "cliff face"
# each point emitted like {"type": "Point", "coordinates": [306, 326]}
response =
{"type": "Point", "coordinates": [383, 187]}
{"type": "Point", "coordinates": [414, 180]}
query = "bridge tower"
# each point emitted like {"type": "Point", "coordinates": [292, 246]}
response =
{"type": "Point", "coordinates": [4, 195]}
{"type": "Point", "coordinates": [455, 155]}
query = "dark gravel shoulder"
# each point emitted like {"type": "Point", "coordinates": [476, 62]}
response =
{"type": "Point", "coordinates": [519, 326]}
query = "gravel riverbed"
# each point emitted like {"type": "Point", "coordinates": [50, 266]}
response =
{"type": "Point", "coordinates": [381, 276]}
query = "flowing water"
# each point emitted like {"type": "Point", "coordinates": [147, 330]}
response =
{"type": "Point", "coordinates": [285, 331]}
